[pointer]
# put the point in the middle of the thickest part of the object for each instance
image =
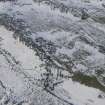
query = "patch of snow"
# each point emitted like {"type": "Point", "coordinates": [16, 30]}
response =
{"type": "Point", "coordinates": [23, 54]}
{"type": "Point", "coordinates": [83, 95]}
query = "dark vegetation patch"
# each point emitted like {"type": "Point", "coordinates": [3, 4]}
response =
{"type": "Point", "coordinates": [90, 81]}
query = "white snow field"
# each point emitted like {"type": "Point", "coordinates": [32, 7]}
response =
{"type": "Point", "coordinates": [44, 44]}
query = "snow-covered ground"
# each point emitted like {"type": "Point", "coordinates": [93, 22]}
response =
{"type": "Point", "coordinates": [82, 95]}
{"type": "Point", "coordinates": [64, 36]}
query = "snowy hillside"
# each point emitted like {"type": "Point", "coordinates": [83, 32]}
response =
{"type": "Point", "coordinates": [52, 52]}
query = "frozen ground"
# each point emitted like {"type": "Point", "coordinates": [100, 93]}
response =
{"type": "Point", "coordinates": [47, 44]}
